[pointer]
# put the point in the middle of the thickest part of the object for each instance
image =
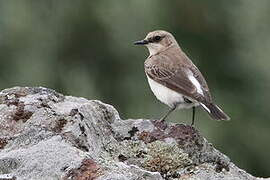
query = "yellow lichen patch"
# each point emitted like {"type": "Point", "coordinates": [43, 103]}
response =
{"type": "Point", "coordinates": [131, 149]}
{"type": "Point", "coordinates": [165, 158]}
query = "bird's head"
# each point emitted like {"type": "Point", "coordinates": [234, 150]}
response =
{"type": "Point", "coordinates": [157, 41]}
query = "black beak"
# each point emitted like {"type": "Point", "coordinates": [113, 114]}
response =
{"type": "Point", "coordinates": [142, 42]}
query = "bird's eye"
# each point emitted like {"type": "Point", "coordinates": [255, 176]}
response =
{"type": "Point", "coordinates": [157, 38]}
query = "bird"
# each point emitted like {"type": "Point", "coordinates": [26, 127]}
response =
{"type": "Point", "coordinates": [174, 79]}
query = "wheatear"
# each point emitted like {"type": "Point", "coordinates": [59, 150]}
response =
{"type": "Point", "coordinates": [174, 79]}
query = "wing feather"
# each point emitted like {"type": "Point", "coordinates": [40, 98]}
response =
{"type": "Point", "coordinates": [176, 77]}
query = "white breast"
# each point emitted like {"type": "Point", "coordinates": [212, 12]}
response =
{"type": "Point", "coordinates": [164, 94]}
{"type": "Point", "coordinates": [168, 96]}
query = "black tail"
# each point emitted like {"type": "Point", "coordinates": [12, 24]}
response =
{"type": "Point", "coordinates": [214, 111]}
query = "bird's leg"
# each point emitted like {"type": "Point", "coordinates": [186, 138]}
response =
{"type": "Point", "coordinates": [167, 114]}
{"type": "Point", "coordinates": [193, 115]}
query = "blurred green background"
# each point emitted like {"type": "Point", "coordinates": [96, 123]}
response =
{"type": "Point", "coordinates": [86, 49]}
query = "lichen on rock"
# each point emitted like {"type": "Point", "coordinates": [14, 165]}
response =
{"type": "Point", "coordinates": [46, 135]}
{"type": "Point", "coordinates": [165, 158]}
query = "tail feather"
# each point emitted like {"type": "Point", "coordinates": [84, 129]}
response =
{"type": "Point", "coordinates": [214, 111]}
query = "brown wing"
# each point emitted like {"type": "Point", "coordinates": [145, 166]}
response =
{"type": "Point", "coordinates": [176, 77]}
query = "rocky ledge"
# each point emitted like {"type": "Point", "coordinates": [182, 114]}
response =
{"type": "Point", "coordinates": [46, 135]}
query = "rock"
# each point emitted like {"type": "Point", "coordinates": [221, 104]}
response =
{"type": "Point", "coordinates": [46, 135]}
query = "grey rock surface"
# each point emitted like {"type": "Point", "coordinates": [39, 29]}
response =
{"type": "Point", "coordinates": [46, 135]}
